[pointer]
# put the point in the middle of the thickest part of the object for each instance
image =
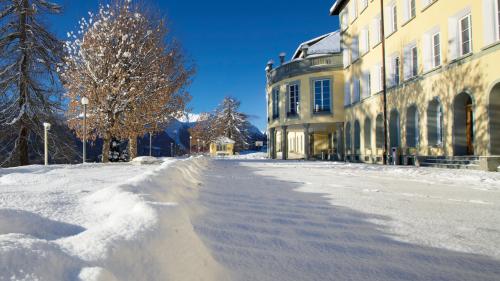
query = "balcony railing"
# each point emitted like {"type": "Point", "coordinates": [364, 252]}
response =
{"type": "Point", "coordinates": [304, 66]}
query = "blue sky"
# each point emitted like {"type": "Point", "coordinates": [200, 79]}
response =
{"type": "Point", "coordinates": [230, 41]}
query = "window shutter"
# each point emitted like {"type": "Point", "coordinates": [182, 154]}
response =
{"type": "Point", "coordinates": [376, 78]}
{"type": "Point", "coordinates": [453, 38]}
{"type": "Point", "coordinates": [362, 41]}
{"type": "Point", "coordinates": [407, 63]}
{"type": "Point", "coordinates": [427, 51]}
{"type": "Point", "coordinates": [345, 57]}
{"type": "Point", "coordinates": [287, 99]}
{"type": "Point", "coordinates": [388, 21]}
{"type": "Point", "coordinates": [355, 48]}
{"type": "Point", "coordinates": [356, 90]}
{"type": "Point", "coordinates": [347, 92]}
{"type": "Point", "coordinates": [406, 10]}
{"type": "Point", "coordinates": [489, 22]}
{"type": "Point", "coordinates": [390, 71]}
{"type": "Point", "coordinates": [375, 31]}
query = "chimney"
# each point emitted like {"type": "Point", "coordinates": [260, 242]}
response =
{"type": "Point", "coordinates": [269, 65]}
{"type": "Point", "coordinates": [282, 58]}
{"type": "Point", "coordinates": [304, 50]}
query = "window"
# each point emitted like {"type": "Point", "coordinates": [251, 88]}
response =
{"type": "Point", "coordinates": [276, 108]}
{"type": "Point", "coordinates": [498, 19]}
{"type": "Point", "coordinates": [394, 74]}
{"type": "Point", "coordinates": [322, 95]}
{"type": "Point", "coordinates": [356, 90]}
{"type": "Point", "coordinates": [376, 32]}
{"type": "Point", "coordinates": [413, 9]}
{"type": "Point", "coordinates": [436, 50]}
{"type": "Point", "coordinates": [345, 56]}
{"type": "Point", "coordinates": [293, 106]}
{"type": "Point", "coordinates": [344, 19]}
{"type": "Point", "coordinates": [394, 18]}
{"type": "Point", "coordinates": [465, 35]}
{"type": "Point", "coordinates": [414, 61]}
{"type": "Point", "coordinates": [364, 41]}
{"type": "Point", "coordinates": [353, 10]}
{"type": "Point", "coordinates": [396, 70]}
{"type": "Point", "coordinates": [365, 85]}
{"type": "Point", "coordinates": [347, 92]}
{"type": "Point", "coordinates": [435, 123]}
{"type": "Point", "coordinates": [355, 48]}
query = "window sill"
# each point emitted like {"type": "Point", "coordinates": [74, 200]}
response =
{"type": "Point", "coordinates": [457, 60]}
{"type": "Point", "coordinates": [291, 115]}
{"type": "Point", "coordinates": [390, 34]}
{"type": "Point", "coordinates": [320, 113]}
{"type": "Point", "coordinates": [364, 54]}
{"type": "Point", "coordinates": [432, 70]}
{"type": "Point", "coordinates": [428, 5]}
{"type": "Point", "coordinates": [408, 21]}
{"type": "Point", "coordinates": [376, 44]}
{"type": "Point", "coordinates": [489, 46]}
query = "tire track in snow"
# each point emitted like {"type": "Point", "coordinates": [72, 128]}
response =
{"type": "Point", "coordinates": [260, 229]}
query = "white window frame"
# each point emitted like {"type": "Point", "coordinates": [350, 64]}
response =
{"type": "Point", "coordinates": [433, 50]}
{"type": "Point", "coordinates": [468, 17]}
{"type": "Point", "coordinates": [296, 98]}
{"type": "Point", "coordinates": [323, 93]}
{"type": "Point", "coordinates": [354, 11]}
{"type": "Point", "coordinates": [394, 14]}
{"type": "Point", "coordinates": [344, 19]}
{"type": "Point", "coordinates": [377, 30]}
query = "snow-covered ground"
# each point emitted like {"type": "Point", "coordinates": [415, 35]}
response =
{"type": "Point", "coordinates": [248, 218]}
{"type": "Point", "coordinates": [350, 221]}
{"type": "Point", "coordinates": [100, 222]}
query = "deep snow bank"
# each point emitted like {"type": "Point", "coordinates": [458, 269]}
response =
{"type": "Point", "coordinates": [129, 231]}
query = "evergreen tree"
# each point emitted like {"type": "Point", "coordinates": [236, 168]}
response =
{"type": "Point", "coordinates": [29, 55]}
{"type": "Point", "coordinates": [231, 123]}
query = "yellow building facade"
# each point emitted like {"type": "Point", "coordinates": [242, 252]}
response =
{"type": "Point", "coordinates": [442, 74]}
{"type": "Point", "coordinates": [305, 102]}
{"type": "Point", "coordinates": [222, 146]}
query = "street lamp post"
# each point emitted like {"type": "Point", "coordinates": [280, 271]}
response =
{"type": "Point", "coordinates": [85, 102]}
{"type": "Point", "coordinates": [384, 85]}
{"type": "Point", "coordinates": [150, 143]}
{"type": "Point", "coordinates": [46, 127]}
{"type": "Point", "coordinates": [190, 140]}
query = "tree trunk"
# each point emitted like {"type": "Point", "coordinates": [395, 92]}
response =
{"type": "Point", "coordinates": [23, 87]}
{"type": "Point", "coordinates": [132, 147]}
{"type": "Point", "coordinates": [105, 147]}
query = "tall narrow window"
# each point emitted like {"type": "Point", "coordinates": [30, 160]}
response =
{"type": "Point", "coordinates": [412, 9]}
{"type": "Point", "coordinates": [414, 61]}
{"type": "Point", "coordinates": [293, 91]}
{"type": "Point", "coordinates": [394, 18]}
{"type": "Point", "coordinates": [276, 108]}
{"type": "Point", "coordinates": [322, 95]}
{"type": "Point", "coordinates": [498, 19]}
{"type": "Point", "coordinates": [436, 50]}
{"type": "Point", "coordinates": [395, 70]}
{"type": "Point", "coordinates": [465, 35]}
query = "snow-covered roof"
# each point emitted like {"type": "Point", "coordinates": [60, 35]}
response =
{"type": "Point", "coordinates": [224, 140]}
{"type": "Point", "coordinates": [323, 45]}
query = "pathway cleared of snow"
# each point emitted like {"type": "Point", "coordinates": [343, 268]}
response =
{"type": "Point", "coordinates": [376, 223]}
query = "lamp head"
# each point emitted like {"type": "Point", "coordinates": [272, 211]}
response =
{"type": "Point", "coordinates": [84, 100]}
{"type": "Point", "coordinates": [46, 125]}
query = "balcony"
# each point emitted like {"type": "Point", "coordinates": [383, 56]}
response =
{"type": "Point", "coordinates": [305, 66]}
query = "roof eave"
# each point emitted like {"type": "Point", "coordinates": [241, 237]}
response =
{"type": "Point", "coordinates": [337, 7]}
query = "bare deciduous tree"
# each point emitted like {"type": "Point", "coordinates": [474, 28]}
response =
{"type": "Point", "coordinates": [133, 80]}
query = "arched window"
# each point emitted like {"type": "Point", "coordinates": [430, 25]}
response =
{"type": "Point", "coordinates": [357, 135]}
{"type": "Point", "coordinates": [348, 136]}
{"type": "Point", "coordinates": [435, 123]}
{"type": "Point", "coordinates": [380, 131]}
{"type": "Point", "coordinates": [368, 133]}
{"type": "Point", "coordinates": [412, 130]}
{"type": "Point", "coordinates": [394, 131]}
